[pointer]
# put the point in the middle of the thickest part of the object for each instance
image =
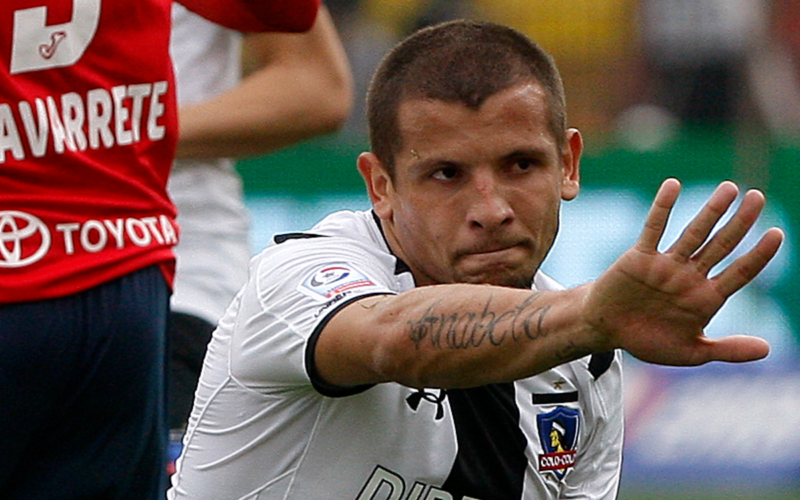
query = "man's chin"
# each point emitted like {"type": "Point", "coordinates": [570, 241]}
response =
{"type": "Point", "coordinates": [507, 279]}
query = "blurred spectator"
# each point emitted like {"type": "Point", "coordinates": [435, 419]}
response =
{"type": "Point", "coordinates": [369, 28]}
{"type": "Point", "coordinates": [694, 52]}
{"type": "Point", "coordinates": [593, 42]}
{"type": "Point", "coordinates": [655, 64]}
{"type": "Point", "coordinates": [773, 72]}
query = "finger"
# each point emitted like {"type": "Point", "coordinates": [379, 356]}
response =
{"type": "Point", "coordinates": [658, 215]}
{"type": "Point", "coordinates": [733, 349]}
{"type": "Point", "coordinates": [745, 268]}
{"type": "Point", "coordinates": [700, 227]}
{"type": "Point", "coordinates": [727, 238]}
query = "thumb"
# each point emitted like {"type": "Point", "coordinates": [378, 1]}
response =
{"type": "Point", "coordinates": [735, 348]}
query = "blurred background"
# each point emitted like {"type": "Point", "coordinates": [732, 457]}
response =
{"type": "Point", "coordinates": [702, 90]}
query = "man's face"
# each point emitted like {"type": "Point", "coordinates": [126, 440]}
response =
{"type": "Point", "coordinates": [476, 193]}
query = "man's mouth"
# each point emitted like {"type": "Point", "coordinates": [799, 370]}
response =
{"type": "Point", "coordinates": [494, 248]}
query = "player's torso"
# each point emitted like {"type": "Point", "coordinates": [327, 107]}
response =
{"type": "Point", "coordinates": [504, 441]}
{"type": "Point", "coordinates": [261, 426]}
{"type": "Point", "coordinates": [87, 106]}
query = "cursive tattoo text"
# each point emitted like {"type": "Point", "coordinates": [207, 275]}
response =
{"type": "Point", "coordinates": [469, 329]}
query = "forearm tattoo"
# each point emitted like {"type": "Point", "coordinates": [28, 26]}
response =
{"type": "Point", "coordinates": [469, 329]}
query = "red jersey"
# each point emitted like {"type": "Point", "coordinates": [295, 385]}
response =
{"type": "Point", "coordinates": [88, 127]}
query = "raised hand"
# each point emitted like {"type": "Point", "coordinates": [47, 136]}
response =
{"type": "Point", "coordinates": [655, 305]}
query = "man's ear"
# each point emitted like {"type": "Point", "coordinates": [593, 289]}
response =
{"type": "Point", "coordinates": [379, 184]}
{"type": "Point", "coordinates": [571, 163]}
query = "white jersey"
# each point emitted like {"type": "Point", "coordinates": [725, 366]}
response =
{"type": "Point", "coordinates": [265, 427]}
{"type": "Point", "coordinates": [213, 249]}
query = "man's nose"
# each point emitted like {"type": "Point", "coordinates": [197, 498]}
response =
{"type": "Point", "coordinates": [489, 207]}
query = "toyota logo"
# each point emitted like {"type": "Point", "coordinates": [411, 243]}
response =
{"type": "Point", "coordinates": [15, 228]}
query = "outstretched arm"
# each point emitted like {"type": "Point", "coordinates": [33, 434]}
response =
{"type": "Point", "coordinates": [302, 88]}
{"type": "Point", "coordinates": [654, 305]}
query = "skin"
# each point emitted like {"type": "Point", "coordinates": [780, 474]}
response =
{"type": "Point", "coordinates": [301, 87]}
{"type": "Point", "coordinates": [670, 297]}
{"type": "Point", "coordinates": [464, 209]}
{"type": "Point", "coordinates": [473, 210]}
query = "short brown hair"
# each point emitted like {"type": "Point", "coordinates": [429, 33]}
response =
{"type": "Point", "coordinates": [457, 61]}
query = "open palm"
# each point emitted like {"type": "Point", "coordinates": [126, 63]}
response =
{"type": "Point", "coordinates": [655, 305]}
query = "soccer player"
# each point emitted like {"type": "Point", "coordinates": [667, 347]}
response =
{"type": "Point", "coordinates": [415, 351]}
{"type": "Point", "coordinates": [88, 129]}
{"type": "Point", "coordinates": [301, 87]}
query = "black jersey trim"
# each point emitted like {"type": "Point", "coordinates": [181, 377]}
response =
{"type": "Point", "coordinates": [600, 363]}
{"type": "Point", "coordinates": [321, 386]}
{"type": "Point", "coordinates": [490, 462]}
{"type": "Point", "coordinates": [400, 266]}
{"type": "Point", "coordinates": [554, 398]}
{"type": "Point", "coordinates": [280, 238]}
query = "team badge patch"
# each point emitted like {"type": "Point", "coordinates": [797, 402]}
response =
{"type": "Point", "coordinates": [558, 434]}
{"type": "Point", "coordinates": [334, 279]}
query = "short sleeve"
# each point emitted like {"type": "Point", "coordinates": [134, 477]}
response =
{"type": "Point", "coordinates": [294, 288]}
{"type": "Point", "coordinates": [258, 15]}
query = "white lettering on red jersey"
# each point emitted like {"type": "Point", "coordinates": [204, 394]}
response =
{"type": "Point", "coordinates": [88, 126]}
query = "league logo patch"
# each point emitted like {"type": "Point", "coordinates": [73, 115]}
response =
{"type": "Point", "coordinates": [558, 434]}
{"type": "Point", "coordinates": [333, 279]}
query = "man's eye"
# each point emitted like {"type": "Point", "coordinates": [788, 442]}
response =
{"type": "Point", "coordinates": [524, 164]}
{"type": "Point", "coordinates": [445, 173]}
